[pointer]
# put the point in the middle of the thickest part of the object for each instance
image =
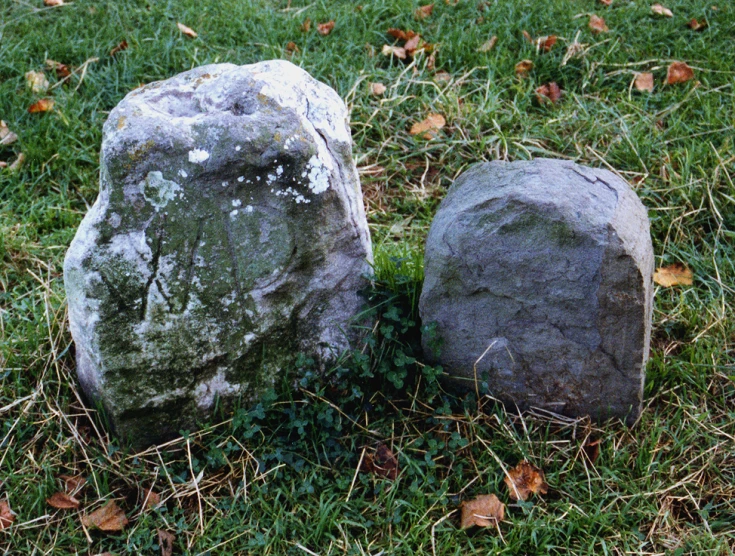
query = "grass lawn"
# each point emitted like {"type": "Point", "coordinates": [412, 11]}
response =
{"type": "Point", "coordinates": [284, 477]}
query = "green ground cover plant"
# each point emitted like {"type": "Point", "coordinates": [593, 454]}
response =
{"type": "Point", "coordinates": [296, 474]}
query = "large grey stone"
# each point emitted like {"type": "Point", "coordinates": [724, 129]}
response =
{"type": "Point", "coordinates": [539, 280]}
{"type": "Point", "coordinates": [229, 235]}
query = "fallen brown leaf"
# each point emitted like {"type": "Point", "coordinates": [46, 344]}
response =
{"type": "Point", "coordinates": [597, 24]}
{"type": "Point", "coordinates": [523, 67]}
{"type": "Point", "coordinates": [545, 44]}
{"type": "Point", "coordinates": [16, 165]}
{"type": "Point", "coordinates": [188, 31]}
{"type": "Point", "coordinates": [484, 511]}
{"type": "Point", "coordinates": [697, 25]}
{"type": "Point", "coordinates": [291, 47]}
{"type": "Point", "coordinates": [107, 518]}
{"type": "Point", "coordinates": [442, 77]}
{"type": "Point", "coordinates": [424, 11]}
{"type": "Point", "coordinates": [524, 479]}
{"type": "Point", "coordinates": [488, 45]}
{"type": "Point", "coordinates": [383, 463]}
{"type": "Point", "coordinates": [377, 89]}
{"type": "Point", "coordinates": [412, 44]}
{"type": "Point", "coordinates": [6, 136]}
{"type": "Point", "coordinates": [606, 2]}
{"type": "Point", "coordinates": [62, 501]}
{"type": "Point", "coordinates": [428, 126]}
{"type": "Point", "coordinates": [673, 275]}
{"type": "Point", "coordinates": [400, 34]}
{"type": "Point", "coordinates": [36, 81]}
{"type": "Point", "coordinates": [548, 92]}
{"type": "Point", "coordinates": [166, 542]}
{"type": "Point", "coordinates": [43, 105]}
{"type": "Point", "coordinates": [6, 516]}
{"type": "Point", "coordinates": [62, 70]}
{"type": "Point", "coordinates": [679, 72]}
{"type": "Point", "coordinates": [306, 25]}
{"type": "Point", "coordinates": [53, 2]}
{"type": "Point", "coordinates": [527, 36]}
{"type": "Point", "coordinates": [73, 483]}
{"type": "Point", "coordinates": [591, 449]}
{"type": "Point", "coordinates": [644, 81]}
{"type": "Point", "coordinates": [119, 48]}
{"type": "Point", "coordinates": [325, 28]}
{"type": "Point", "coordinates": [658, 9]}
{"type": "Point", "coordinates": [152, 499]}
{"type": "Point", "coordinates": [397, 51]}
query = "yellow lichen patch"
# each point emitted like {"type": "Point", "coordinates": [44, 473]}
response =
{"type": "Point", "coordinates": [121, 122]}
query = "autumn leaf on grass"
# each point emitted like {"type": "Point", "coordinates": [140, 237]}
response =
{"type": "Point", "coordinates": [383, 463]}
{"type": "Point", "coordinates": [400, 34]}
{"type": "Point", "coordinates": [697, 25]}
{"type": "Point", "coordinates": [306, 25]}
{"type": "Point", "coordinates": [591, 449]}
{"type": "Point", "coordinates": [36, 81]}
{"type": "Point", "coordinates": [523, 67]}
{"type": "Point", "coordinates": [488, 45]}
{"type": "Point", "coordinates": [679, 72]}
{"type": "Point", "coordinates": [62, 70]}
{"type": "Point", "coordinates": [397, 51]}
{"type": "Point", "coordinates": [424, 11]}
{"type": "Point", "coordinates": [73, 483]}
{"type": "Point", "coordinates": [107, 518]}
{"type": "Point", "coordinates": [524, 479]}
{"type": "Point", "coordinates": [166, 542]}
{"type": "Point", "coordinates": [17, 163]}
{"type": "Point", "coordinates": [658, 9]}
{"type": "Point", "coordinates": [546, 43]}
{"type": "Point", "coordinates": [429, 126]}
{"type": "Point", "coordinates": [325, 28]}
{"type": "Point", "coordinates": [6, 516]}
{"type": "Point", "coordinates": [597, 24]}
{"type": "Point", "coordinates": [606, 2]}
{"type": "Point", "coordinates": [644, 81]}
{"type": "Point", "coordinates": [548, 92]}
{"type": "Point", "coordinates": [188, 31]}
{"type": "Point", "coordinates": [483, 511]}
{"type": "Point", "coordinates": [377, 89]}
{"type": "Point", "coordinates": [62, 501]}
{"type": "Point", "coordinates": [152, 499]}
{"type": "Point", "coordinates": [673, 275]}
{"type": "Point", "coordinates": [6, 136]}
{"type": "Point", "coordinates": [119, 48]}
{"type": "Point", "coordinates": [291, 47]}
{"type": "Point", "coordinates": [43, 105]}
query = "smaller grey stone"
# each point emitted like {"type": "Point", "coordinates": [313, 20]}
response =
{"type": "Point", "coordinates": [539, 280]}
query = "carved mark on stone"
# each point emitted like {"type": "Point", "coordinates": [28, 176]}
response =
{"type": "Point", "coordinates": [154, 272]}
{"type": "Point", "coordinates": [233, 255]}
{"type": "Point", "coordinates": [190, 268]}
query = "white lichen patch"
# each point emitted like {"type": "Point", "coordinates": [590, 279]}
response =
{"type": "Point", "coordinates": [241, 179]}
{"type": "Point", "coordinates": [205, 392]}
{"type": "Point", "coordinates": [298, 197]}
{"type": "Point", "coordinates": [236, 202]}
{"type": "Point", "coordinates": [318, 175]}
{"type": "Point", "coordinates": [134, 250]}
{"type": "Point", "coordinates": [183, 173]}
{"type": "Point", "coordinates": [159, 191]}
{"type": "Point", "coordinates": [197, 156]}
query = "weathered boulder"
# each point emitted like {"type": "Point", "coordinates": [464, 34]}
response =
{"type": "Point", "coordinates": [539, 280]}
{"type": "Point", "coordinates": [229, 235]}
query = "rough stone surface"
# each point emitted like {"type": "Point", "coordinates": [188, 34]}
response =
{"type": "Point", "coordinates": [539, 280]}
{"type": "Point", "coordinates": [229, 235]}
